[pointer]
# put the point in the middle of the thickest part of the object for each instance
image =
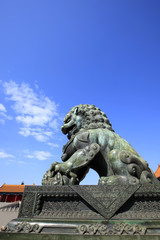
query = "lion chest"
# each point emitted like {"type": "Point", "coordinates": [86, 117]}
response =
{"type": "Point", "coordinates": [78, 142]}
{"type": "Point", "coordinates": [68, 150]}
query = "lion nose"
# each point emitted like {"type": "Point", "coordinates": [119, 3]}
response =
{"type": "Point", "coordinates": [63, 130]}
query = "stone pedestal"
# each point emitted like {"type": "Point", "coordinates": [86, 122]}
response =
{"type": "Point", "coordinates": [25, 236]}
{"type": "Point", "coordinates": [87, 212]}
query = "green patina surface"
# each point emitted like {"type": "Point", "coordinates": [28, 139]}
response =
{"type": "Point", "coordinates": [94, 144]}
{"type": "Point", "coordinates": [24, 236]}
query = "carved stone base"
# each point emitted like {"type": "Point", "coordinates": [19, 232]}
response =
{"type": "Point", "coordinates": [88, 211]}
{"type": "Point", "coordinates": [97, 228]}
{"type": "Point", "coordinates": [26, 236]}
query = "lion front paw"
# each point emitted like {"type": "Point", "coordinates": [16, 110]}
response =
{"type": "Point", "coordinates": [60, 174]}
{"type": "Point", "coordinates": [63, 168]}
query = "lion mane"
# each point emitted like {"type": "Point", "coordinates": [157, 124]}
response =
{"type": "Point", "coordinates": [92, 117]}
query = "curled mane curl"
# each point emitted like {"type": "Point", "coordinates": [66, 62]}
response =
{"type": "Point", "coordinates": [92, 117]}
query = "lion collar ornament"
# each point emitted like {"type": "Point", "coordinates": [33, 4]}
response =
{"type": "Point", "coordinates": [94, 144]}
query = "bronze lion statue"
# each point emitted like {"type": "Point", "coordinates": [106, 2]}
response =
{"type": "Point", "coordinates": [94, 144]}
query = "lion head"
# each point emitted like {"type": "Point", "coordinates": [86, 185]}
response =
{"type": "Point", "coordinates": [84, 117]}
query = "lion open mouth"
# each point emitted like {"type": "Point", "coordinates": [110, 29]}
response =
{"type": "Point", "coordinates": [71, 131]}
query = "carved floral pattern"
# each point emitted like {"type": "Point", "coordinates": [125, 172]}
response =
{"type": "Point", "coordinates": [23, 227]}
{"type": "Point", "coordinates": [116, 229]}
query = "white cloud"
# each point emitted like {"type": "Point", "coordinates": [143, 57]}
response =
{"type": "Point", "coordinates": [5, 155]}
{"type": "Point", "coordinates": [3, 115]}
{"type": "Point", "coordinates": [2, 108]}
{"type": "Point", "coordinates": [54, 124]}
{"type": "Point", "coordinates": [29, 156]}
{"type": "Point", "coordinates": [35, 112]}
{"type": "Point", "coordinates": [53, 144]}
{"type": "Point", "coordinates": [40, 134]}
{"type": "Point", "coordinates": [40, 155]}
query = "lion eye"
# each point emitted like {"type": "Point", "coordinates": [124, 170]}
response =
{"type": "Point", "coordinates": [68, 120]}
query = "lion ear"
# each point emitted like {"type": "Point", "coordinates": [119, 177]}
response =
{"type": "Point", "coordinates": [76, 111]}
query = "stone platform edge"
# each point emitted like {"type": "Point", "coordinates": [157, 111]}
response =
{"type": "Point", "coordinates": [26, 236]}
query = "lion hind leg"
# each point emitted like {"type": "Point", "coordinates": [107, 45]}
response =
{"type": "Point", "coordinates": [122, 174]}
{"type": "Point", "coordinates": [148, 177]}
{"type": "Point", "coordinates": [130, 166]}
{"type": "Point", "coordinates": [116, 180]}
{"type": "Point", "coordinates": [138, 167]}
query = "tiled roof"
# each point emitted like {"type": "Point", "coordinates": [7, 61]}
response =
{"type": "Point", "coordinates": [12, 188]}
{"type": "Point", "coordinates": [157, 173]}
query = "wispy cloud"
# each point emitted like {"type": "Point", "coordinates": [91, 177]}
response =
{"type": "Point", "coordinates": [36, 113]}
{"type": "Point", "coordinates": [53, 145]}
{"type": "Point", "coordinates": [40, 155]}
{"type": "Point", "coordinates": [5, 155]}
{"type": "Point", "coordinates": [2, 108]}
{"type": "Point", "coordinates": [3, 115]}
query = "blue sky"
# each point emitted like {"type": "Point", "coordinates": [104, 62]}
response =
{"type": "Point", "coordinates": [57, 54]}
